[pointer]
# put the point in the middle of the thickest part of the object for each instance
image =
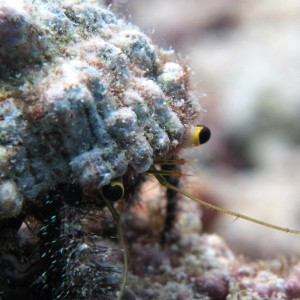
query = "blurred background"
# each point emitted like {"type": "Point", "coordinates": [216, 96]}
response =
{"type": "Point", "coordinates": [245, 62]}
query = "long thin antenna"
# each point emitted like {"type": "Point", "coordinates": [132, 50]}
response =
{"type": "Point", "coordinates": [117, 220]}
{"type": "Point", "coordinates": [166, 184]}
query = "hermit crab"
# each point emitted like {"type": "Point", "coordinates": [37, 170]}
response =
{"type": "Point", "coordinates": [87, 104]}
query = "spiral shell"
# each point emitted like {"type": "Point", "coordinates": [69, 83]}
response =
{"type": "Point", "coordinates": [84, 97]}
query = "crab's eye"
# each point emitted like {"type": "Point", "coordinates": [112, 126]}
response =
{"type": "Point", "coordinates": [200, 135]}
{"type": "Point", "coordinates": [113, 191]}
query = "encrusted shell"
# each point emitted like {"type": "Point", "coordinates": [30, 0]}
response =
{"type": "Point", "coordinates": [83, 97]}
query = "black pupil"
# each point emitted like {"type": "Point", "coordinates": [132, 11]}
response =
{"type": "Point", "coordinates": [112, 193]}
{"type": "Point", "coordinates": [204, 135]}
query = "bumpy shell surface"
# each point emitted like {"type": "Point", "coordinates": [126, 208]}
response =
{"type": "Point", "coordinates": [83, 97]}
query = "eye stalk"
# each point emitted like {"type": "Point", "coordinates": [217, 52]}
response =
{"type": "Point", "coordinates": [113, 191]}
{"type": "Point", "coordinates": [200, 135]}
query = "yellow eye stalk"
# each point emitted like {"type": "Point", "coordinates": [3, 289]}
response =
{"type": "Point", "coordinates": [200, 135]}
{"type": "Point", "coordinates": [113, 191]}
